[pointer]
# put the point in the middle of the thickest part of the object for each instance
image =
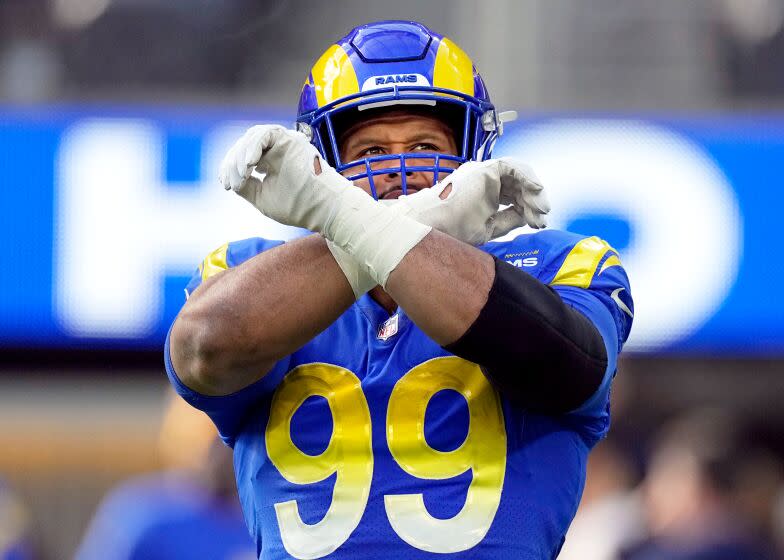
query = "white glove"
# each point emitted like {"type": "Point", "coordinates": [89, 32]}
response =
{"type": "Point", "coordinates": [292, 193]}
{"type": "Point", "coordinates": [375, 236]}
{"type": "Point", "coordinates": [477, 188]}
{"type": "Point", "coordinates": [469, 212]}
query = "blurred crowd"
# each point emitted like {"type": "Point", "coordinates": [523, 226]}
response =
{"type": "Point", "coordinates": [533, 53]}
{"type": "Point", "coordinates": [188, 510]}
{"type": "Point", "coordinates": [705, 490]}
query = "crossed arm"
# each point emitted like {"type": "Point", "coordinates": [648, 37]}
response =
{"type": "Point", "coordinates": [239, 323]}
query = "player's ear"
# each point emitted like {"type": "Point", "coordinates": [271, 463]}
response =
{"type": "Point", "coordinates": [316, 165]}
{"type": "Point", "coordinates": [445, 193]}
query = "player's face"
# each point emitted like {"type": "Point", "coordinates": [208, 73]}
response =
{"type": "Point", "coordinates": [397, 132]}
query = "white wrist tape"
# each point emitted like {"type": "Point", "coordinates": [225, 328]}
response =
{"type": "Point", "coordinates": [357, 276]}
{"type": "Point", "coordinates": [376, 236]}
{"type": "Point", "coordinates": [300, 189]}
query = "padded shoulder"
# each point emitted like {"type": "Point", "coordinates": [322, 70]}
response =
{"type": "Point", "coordinates": [226, 256]}
{"type": "Point", "coordinates": [558, 258]}
{"type": "Point", "coordinates": [566, 261]}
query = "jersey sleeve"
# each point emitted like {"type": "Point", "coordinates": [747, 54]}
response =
{"type": "Point", "coordinates": [227, 256]}
{"type": "Point", "coordinates": [586, 272]}
{"type": "Point", "coordinates": [227, 412]}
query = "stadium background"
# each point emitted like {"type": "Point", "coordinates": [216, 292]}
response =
{"type": "Point", "coordinates": [655, 125]}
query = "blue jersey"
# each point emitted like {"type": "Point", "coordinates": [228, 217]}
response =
{"type": "Point", "coordinates": [373, 441]}
{"type": "Point", "coordinates": [165, 516]}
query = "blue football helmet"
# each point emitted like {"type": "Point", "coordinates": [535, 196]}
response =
{"type": "Point", "coordinates": [393, 63]}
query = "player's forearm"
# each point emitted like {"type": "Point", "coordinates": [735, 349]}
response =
{"type": "Point", "coordinates": [238, 324]}
{"type": "Point", "coordinates": [442, 283]}
{"type": "Point", "coordinates": [539, 352]}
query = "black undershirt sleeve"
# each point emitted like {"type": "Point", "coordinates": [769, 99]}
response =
{"type": "Point", "coordinates": [538, 351]}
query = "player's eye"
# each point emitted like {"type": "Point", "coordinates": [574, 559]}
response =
{"type": "Point", "coordinates": [371, 151]}
{"type": "Point", "coordinates": [425, 147]}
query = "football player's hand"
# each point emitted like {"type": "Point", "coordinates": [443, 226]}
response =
{"type": "Point", "coordinates": [297, 188]}
{"type": "Point", "coordinates": [465, 204]}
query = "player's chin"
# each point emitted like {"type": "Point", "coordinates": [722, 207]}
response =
{"type": "Point", "coordinates": [397, 193]}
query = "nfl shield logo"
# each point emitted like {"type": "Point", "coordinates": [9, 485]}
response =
{"type": "Point", "coordinates": [388, 328]}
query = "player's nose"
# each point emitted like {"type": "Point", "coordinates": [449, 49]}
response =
{"type": "Point", "coordinates": [392, 185]}
{"type": "Point", "coordinates": [395, 176]}
{"type": "Point", "coordinates": [394, 165]}
{"type": "Point", "coordinates": [396, 173]}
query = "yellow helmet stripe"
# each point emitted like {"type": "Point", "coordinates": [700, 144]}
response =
{"type": "Point", "coordinates": [334, 76]}
{"type": "Point", "coordinates": [580, 264]}
{"type": "Point", "coordinates": [612, 260]}
{"type": "Point", "coordinates": [453, 69]}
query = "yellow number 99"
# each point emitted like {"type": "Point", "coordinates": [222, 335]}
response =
{"type": "Point", "coordinates": [349, 454]}
{"type": "Point", "coordinates": [483, 451]}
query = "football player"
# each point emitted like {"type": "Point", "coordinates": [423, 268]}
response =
{"type": "Point", "coordinates": [397, 384]}
{"type": "Point", "coordinates": [16, 540]}
{"type": "Point", "coordinates": [188, 511]}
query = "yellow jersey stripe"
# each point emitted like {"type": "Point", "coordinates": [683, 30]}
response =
{"type": "Point", "coordinates": [453, 69]}
{"type": "Point", "coordinates": [580, 264]}
{"type": "Point", "coordinates": [334, 76]}
{"type": "Point", "coordinates": [214, 263]}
